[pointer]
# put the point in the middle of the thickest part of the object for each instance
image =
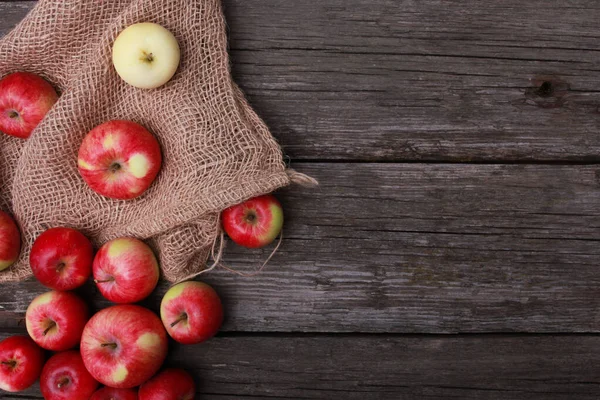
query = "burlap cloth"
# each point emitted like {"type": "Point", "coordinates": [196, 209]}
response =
{"type": "Point", "coordinates": [217, 152]}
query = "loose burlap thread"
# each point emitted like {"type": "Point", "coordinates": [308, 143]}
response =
{"type": "Point", "coordinates": [216, 151]}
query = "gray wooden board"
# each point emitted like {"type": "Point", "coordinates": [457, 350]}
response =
{"type": "Point", "coordinates": [418, 248]}
{"type": "Point", "coordinates": [390, 367]}
{"type": "Point", "coordinates": [417, 80]}
{"type": "Point", "coordinates": [411, 248]}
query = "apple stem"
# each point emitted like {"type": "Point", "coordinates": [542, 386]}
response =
{"type": "Point", "coordinates": [112, 345]}
{"type": "Point", "coordinates": [60, 267]}
{"type": "Point", "coordinates": [182, 317]}
{"type": "Point", "coordinates": [111, 279]}
{"type": "Point", "coordinates": [62, 382]}
{"type": "Point", "coordinates": [49, 328]}
{"type": "Point", "coordinates": [13, 114]}
{"type": "Point", "coordinates": [11, 363]}
{"type": "Point", "coordinates": [148, 57]}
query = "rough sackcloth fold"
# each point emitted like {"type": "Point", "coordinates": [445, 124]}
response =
{"type": "Point", "coordinates": [217, 152]}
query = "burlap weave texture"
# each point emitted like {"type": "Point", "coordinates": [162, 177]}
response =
{"type": "Point", "coordinates": [217, 152]}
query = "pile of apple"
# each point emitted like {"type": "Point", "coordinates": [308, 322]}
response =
{"type": "Point", "coordinates": [123, 346]}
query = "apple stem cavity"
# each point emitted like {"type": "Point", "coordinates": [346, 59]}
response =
{"type": "Point", "coordinates": [60, 267]}
{"type": "Point", "coordinates": [50, 327]}
{"type": "Point", "coordinates": [182, 317]}
{"type": "Point", "coordinates": [13, 114]}
{"type": "Point", "coordinates": [62, 382]}
{"type": "Point", "coordinates": [11, 363]}
{"type": "Point", "coordinates": [111, 345]}
{"type": "Point", "coordinates": [250, 217]}
{"type": "Point", "coordinates": [115, 167]}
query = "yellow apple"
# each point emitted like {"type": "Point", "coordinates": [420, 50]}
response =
{"type": "Point", "coordinates": [146, 55]}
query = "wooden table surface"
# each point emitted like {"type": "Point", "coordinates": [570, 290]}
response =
{"type": "Point", "coordinates": [453, 247]}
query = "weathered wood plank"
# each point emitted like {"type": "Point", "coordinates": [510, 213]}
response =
{"type": "Point", "coordinates": [420, 248]}
{"type": "Point", "coordinates": [388, 367]}
{"type": "Point", "coordinates": [426, 80]}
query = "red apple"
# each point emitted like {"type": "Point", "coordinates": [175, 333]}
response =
{"type": "Point", "coordinates": [119, 159]}
{"type": "Point", "coordinates": [64, 377]}
{"type": "Point", "coordinates": [25, 99]}
{"type": "Point", "coordinates": [10, 241]}
{"type": "Point", "coordinates": [61, 258]}
{"type": "Point", "coordinates": [254, 223]}
{"type": "Point", "coordinates": [125, 270]}
{"type": "Point", "coordinates": [21, 363]}
{"type": "Point", "coordinates": [172, 384]}
{"type": "Point", "coordinates": [191, 312]}
{"type": "Point", "coordinates": [108, 393]}
{"type": "Point", "coordinates": [123, 346]}
{"type": "Point", "coordinates": [55, 320]}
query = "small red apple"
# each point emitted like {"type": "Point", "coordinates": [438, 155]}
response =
{"type": "Point", "coordinates": [64, 377]}
{"type": "Point", "coordinates": [172, 384]}
{"type": "Point", "coordinates": [123, 346]}
{"type": "Point", "coordinates": [61, 258]}
{"type": "Point", "coordinates": [55, 320]}
{"type": "Point", "coordinates": [254, 223]}
{"type": "Point", "coordinates": [108, 393]}
{"type": "Point", "coordinates": [191, 312]}
{"type": "Point", "coordinates": [21, 363]}
{"type": "Point", "coordinates": [25, 99]}
{"type": "Point", "coordinates": [125, 270]}
{"type": "Point", "coordinates": [119, 159]}
{"type": "Point", "coordinates": [10, 241]}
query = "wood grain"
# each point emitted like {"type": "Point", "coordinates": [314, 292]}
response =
{"type": "Point", "coordinates": [419, 248]}
{"type": "Point", "coordinates": [389, 367]}
{"type": "Point", "coordinates": [426, 80]}
{"type": "Point", "coordinates": [411, 248]}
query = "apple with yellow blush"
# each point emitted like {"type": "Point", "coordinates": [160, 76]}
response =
{"type": "Point", "coordinates": [191, 312]}
{"type": "Point", "coordinates": [254, 223]}
{"type": "Point", "coordinates": [123, 346]}
{"type": "Point", "coordinates": [125, 270]}
{"type": "Point", "coordinates": [55, 320]}
{"type": "Point", "coordinates": [119, 159]}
